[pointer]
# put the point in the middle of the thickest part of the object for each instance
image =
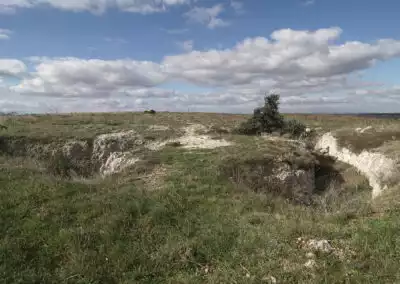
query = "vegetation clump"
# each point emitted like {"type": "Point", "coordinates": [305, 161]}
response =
{"type": "Point", "coordinates": [294, 127]}
{"type": "Point", "coordinates": [151, 111]}
{"type": "Point", "coordinates": [268, 119]}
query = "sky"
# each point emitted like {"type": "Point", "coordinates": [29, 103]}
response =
{"type": "Point", "coordinates": [321, 56]}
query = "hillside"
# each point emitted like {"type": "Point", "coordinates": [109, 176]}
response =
{"type": "Point", "coordinates": [178, 198]}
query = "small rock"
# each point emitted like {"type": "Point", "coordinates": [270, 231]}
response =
{"type": "Point", "coordinates": [310, 255]}
{"type": "Point", "coordinates": [310, 263]}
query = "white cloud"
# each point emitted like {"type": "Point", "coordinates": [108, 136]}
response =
{"type": "Point", "coordinates": [79, 77]}
{"type": "Point", "coordinates": [289, 56]}
{"type": "Point", "coordinates": [309, 68]}
{"type": "Point", "coordinates": [5, 34]}
{"type": "Point", "coordinates": [12, 68]}
{"type": "Point", "coordinates": [207, 16]}
{"type": "Point", "coordinates": [237, 6]}
{"type": "Point", "coordinates": [94, 6]}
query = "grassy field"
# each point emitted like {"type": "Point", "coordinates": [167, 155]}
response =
{"type": "Point", "coordinates": [178, 218]}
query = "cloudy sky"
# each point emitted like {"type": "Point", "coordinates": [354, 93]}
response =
{"type": "Point", "coordinates": [199, 55]}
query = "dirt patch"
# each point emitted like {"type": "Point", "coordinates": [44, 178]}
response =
{"type": "Point", "coordinates": [366, 138]}
{"type": "Point", "coordinates": [193, 138]}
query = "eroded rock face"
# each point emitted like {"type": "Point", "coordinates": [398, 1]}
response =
{"type": "Point", "coordinates": [105, 144]}
{"type": "Point", "coordinates": [116, 162]}
{"type": "Point", "coordinates": [300, 182]}
{"type": "Point", "coordinates": [378, 168]}
{"type": "Point", "coordinates": [110, 151]}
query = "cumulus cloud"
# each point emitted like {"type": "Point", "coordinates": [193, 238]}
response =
{"type": "Point", "coordinates": [5, 34]}
{"type": "Point", "coordinates": [94, 6]}
{"type": "Point", "coordinates": [289, 56]}
{"type": "Point", "coordinates": [308, 68]}
{"type": "Point", "coordinates": [207, 16]}
{"type": "Point", "coordinates": [79, 77]}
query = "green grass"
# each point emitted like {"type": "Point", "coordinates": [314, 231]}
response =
{"type": "Point", "coordinates": [199, 228]}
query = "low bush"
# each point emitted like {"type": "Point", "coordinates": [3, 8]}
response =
{"type": "Point", "coordinates": [294, 128]}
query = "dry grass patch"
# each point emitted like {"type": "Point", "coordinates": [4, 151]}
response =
{"type": "Point", "coordinates": [371, 139]}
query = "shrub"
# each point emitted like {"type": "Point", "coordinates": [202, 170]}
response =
{"type": "Point", "coordinates": [294, 128]}
{"type": "Point", "coordinates": [267, 119]}
{"type": "Point", "coordinates": [249, 127]}
{"type": "Point", "coordinates": [152, 111]}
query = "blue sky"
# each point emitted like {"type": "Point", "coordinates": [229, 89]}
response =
{"type": "Point", "coordinates": [175, 55]}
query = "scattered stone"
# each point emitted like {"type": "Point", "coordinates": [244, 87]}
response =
{"type": "Point", "coordinates": [320, 245]}
{"type": "Point", "coordinates": [323, 246]}
{"type": "Point", "coordinates": [315, 245]}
